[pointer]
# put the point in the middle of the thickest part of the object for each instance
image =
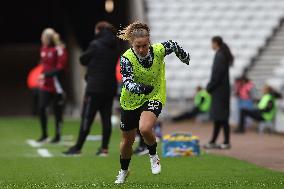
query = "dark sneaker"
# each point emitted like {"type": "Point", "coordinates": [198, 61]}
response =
{"type": "Point", "coordinates": [211, 146]}
{"type": "Point", "coordinates": [102, 152]}
{"type": "Point", "coordinates": [72, 152]}
{"type": "Point", "coordinates": [140, 151]}
{"type": "Point", "coordinates": [55, 140]}
{"type": "Point", "coordinates": [42, 139]}
{"type": "Point", "coordinates": [224, 146]}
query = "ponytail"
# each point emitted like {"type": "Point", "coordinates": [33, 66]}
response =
{"type": "Point", "coordinates": [227, 53]}
{"type": "Point", "coordinates": [134, 30]}
{"type": "Point", "coordinates": [224, 49]}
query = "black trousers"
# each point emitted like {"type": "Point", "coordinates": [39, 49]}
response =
{"type": "Point", "coordinates": [94, 102]}
{"type": "Point", "coordinates": [254, 114]}
{"type": "Point", "coordinates": [187, 115]}
{"type": "Point", "coordinates": [217, 127]}
{"type": "Point", "coordinates": [45, 99]}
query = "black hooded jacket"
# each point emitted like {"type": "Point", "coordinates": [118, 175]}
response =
{"type": "Point", "coordinates": [219, 88]}
{"type": "Point", "coordinates": [100, 59]}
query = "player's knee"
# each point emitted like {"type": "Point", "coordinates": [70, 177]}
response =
{"type": "Point", "coordinates": [145, 130]}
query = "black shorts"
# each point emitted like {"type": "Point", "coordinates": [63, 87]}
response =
{"type": "Point", "coordinates": [130, 118]}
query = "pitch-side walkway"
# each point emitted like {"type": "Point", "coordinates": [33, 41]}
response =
{"type": "Point", "coordinates": [266, 150]}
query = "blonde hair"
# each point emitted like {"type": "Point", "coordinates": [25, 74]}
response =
{"type": "Point", "coordinates": [47, 34]}
{"type": "Point", "coordinates": [57, 40]}
{"type": "Point", "coordinates": [134, 30]}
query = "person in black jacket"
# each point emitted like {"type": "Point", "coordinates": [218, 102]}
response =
{"type": "Point", "coordinates": [100, 59]}
{"type": "Point", "coordinates": [219, 88]}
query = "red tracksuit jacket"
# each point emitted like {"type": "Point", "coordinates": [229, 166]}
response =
{"type": "Point", "coordinates": [49, 61]}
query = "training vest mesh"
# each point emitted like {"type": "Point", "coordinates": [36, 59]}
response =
{"type": "Point", "coordinates": [154, 76]}
{"type": "Point", "coordinates": [263, 103]}
{"type": "Point", "coordinates": [205, 106]}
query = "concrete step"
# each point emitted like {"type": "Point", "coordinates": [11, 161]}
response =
{"type": "Point", "coordinates": [265, 66]}
{"type": "Point", "coordinates": [269, 61]}
{"type": "Point", "coordinates": [274, 47]}
{"type": "Point", "coordinates": [259, 78]}
{"type": "Point", "coordinates": [276, 42]}
{"type": "Point", "coordinates": [278, 38]}
{"type": "Point", "coordinates": [281, 31]}
{"type": "Point", "coordinates": [262, 70]}
{"type": "Point", "coordinates": [259, 82]}
{"type": "Point", "coordinates": [274, 50]}
{"type": "Point", "coordinates": [262, 62]}
{"type": "Point", "coordinates": [261, 73]}
{"type": "Point", "coordinates": [267, 56]}
{"type": "Point", "coordinates": [270, 56]}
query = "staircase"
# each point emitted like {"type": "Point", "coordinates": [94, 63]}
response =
{"type": "Point", "coordinates": [269, 58]}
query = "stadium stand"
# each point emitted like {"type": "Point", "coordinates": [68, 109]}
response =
{"type": "Point", "coordinates": [268, 67]}
{"type": "Point", "coordinates": [245, 25]}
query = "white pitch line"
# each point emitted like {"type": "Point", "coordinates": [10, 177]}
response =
{"type": "Point", "coordinates": [44, 153]}
{"type": "Point", "coordinates": [94, 137]}
{"type": "Point", "coordinates": [33, 143]}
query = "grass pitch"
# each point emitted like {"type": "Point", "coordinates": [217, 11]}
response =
{"type": "Point", "coordinates": [22, 167]}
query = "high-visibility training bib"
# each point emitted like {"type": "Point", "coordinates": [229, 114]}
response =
{"type": "Point", "coordinates": [205, 106]}
{"type": "Point", "coordinates": [263, 103]}
{"type": "Point", "coordinates": [154, 76]}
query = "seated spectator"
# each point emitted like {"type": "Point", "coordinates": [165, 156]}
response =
{"type": "Point", "coordinates": [265, 111]}
{"type": "Point", "coordinates": [202, 102]}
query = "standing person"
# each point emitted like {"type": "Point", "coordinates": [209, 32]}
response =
{"type": "Point", "coordinates": [202, 102]}
{"type": "Point", "coordinates": [58, 75]}
{"type": "Point", "coordinates": [47, 87]}
{"type": "Point", "coordinates": [100, 59]}
{"type": "Point", "coordinates": [144, 91]}
{"type": "Point", "coordinates": [219, 88]}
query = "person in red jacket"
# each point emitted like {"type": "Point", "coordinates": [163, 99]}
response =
{"type": "Point", "coordinates": [50, 88]}
{"type": "Point", "coordinates": [58, 73]}
{"type": "Point", "coordinates": [61, 53]}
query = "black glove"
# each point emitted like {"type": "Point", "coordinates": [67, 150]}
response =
{"type": "Point", "coordinates": [147, 89]}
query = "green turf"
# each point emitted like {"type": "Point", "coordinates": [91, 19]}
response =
{"type": "Point", "coordinates": [22, 167]}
